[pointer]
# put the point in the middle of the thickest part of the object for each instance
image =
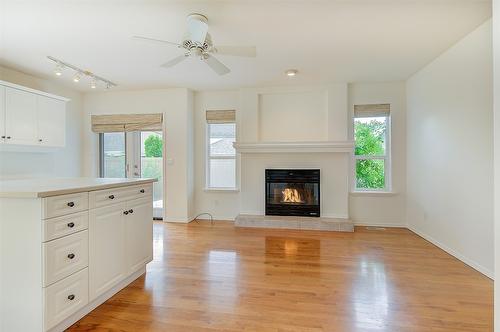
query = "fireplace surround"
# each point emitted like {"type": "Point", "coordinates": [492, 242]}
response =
{"type": "Point", "coordinates": [293, 192]}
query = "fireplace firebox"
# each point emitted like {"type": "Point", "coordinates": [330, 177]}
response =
{"type": "Point", "coordinates": [293, 192]}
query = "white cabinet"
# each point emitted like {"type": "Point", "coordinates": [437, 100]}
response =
{"type": "Point", "coordinates": [107, 248]}
{"type": "Point", "coordinates": [66, 256]}
{"type": "Point", "coordinates": [20, 117]}
{"type": "Point", "coordinates": [51, 114]}
{"type": "Point", "coordinates": [31, 117]}
{"type": "Point", "coordinates": [139, 233]}
{"type": "Point", "coordinates": [128, 226]}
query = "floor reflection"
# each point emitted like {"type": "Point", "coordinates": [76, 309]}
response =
{"type": "Point", "coordinates": [370, 295]}
{"type": "Point", "coordinates": [292, 248]}
{"type": "Point", "coordinates": [222, 272]}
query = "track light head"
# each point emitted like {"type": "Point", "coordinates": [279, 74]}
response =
{"type": "Point", "coordinates": [58, 70]}
{"type": "Point", "coordinates": [93, 83]}
{"type": "Point", "coordinates": [77, 77]}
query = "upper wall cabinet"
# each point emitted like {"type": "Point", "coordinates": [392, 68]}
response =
{"type": "Point", "coordinates": [31, 117]}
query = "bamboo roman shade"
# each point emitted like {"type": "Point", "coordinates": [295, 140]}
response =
{"type": "Point", "coordinates": [368, 111]}
{"type": "Point", "coordinates": [126, 122]}
{"type": "Point", "coordinates": [228, 116]}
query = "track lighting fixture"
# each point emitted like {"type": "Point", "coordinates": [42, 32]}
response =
{"type": "Point", "coordinates": [77, 77]}
{"type": "Point", "coordinates": [58, 70]}
{"type": "Point", "coordinates": [80, 73]}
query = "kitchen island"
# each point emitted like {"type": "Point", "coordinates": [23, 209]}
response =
{"type": "Point", "coordinates": [69, 244]}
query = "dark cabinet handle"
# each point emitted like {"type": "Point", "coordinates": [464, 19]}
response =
{"type": "Point", "coordinates": [71, 297]}
{"type": "Point", "coordinates": [71, 256]}
{"type": "Point", "coordinates": [111, 196]}
{"type": "Point", "coordinates": [71, 204]}
{"type": "Point", "coordinates": [40, 140]}
{"type": "Point", "coordinates": [130, 211]}
{"type": "Point", "coordinates": [142, 191]}
{"type": "Point", "coordinates": [71, 225]}
{"type": "Point", "coordinates": [8, 137]}
{"type": "Point", "coordinates": [3, 136]}
{"type": "Point", "coordinates": [125, 212]}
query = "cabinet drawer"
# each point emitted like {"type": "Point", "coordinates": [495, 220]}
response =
{"type": "Point", "coordinates": [65, 204]}
{"type": "Point", "coordinates": [65, 297]}
{"type": "Point", "coordinates": [61, 226]}
{"type": "Point", "coordinates": [106, 197]}
{"type": "Point", "coordinates": [65, 256]}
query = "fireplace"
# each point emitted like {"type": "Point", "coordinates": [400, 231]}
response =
{"type": "Point", "coordinates": [293, 192]}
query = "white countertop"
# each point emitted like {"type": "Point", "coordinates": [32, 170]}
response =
{"type": "Point", "coordinates": [45, 187]}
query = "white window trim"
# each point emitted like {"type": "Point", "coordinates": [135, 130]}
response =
{"type": "Point", "coordinates": [387, 165]}
{"type": "Point", "coordinates": [208, 186]}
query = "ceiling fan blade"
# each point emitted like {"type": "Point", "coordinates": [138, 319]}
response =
{"type": "Point", "coordinates": [174, 61]}
{"type": "Point", "coordinates": [216, 65]}
{"type": "Point", "coordinates": [154, 40]}
{"type": "Point", "coordinates": [197, 27]}
{"type": "Point", "coordinates": [247, 51]}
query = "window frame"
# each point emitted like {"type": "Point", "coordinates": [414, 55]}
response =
{"type": "Point", "coordinates": [386, 157]}
{"type": "Point", "coordinates": [208, 158]}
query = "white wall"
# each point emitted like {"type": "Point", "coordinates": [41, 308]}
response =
{"type": "Point", "coordinates": [450, 150]}
{"type": "Point", "coordinates": [383, 209]}
{"type": "Point", "coordinates": [176, 106]}
{"type": "Point", "coordinates": [496, 112]}
{"type": "Point", "coordinates": [61, 162]}
{"type": "Point", "coordinates": [222, 205]}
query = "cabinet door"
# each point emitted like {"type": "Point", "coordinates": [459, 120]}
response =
{"type": "Point", "coordinates": [106, 248]}
{"type": "Point", "coordinates": [2, 113]}
{"type": "Point", "coordinates": [139, 233]}
{"type": "Point", "coordinates": [51, 121]}
{"type": "Point", "coordinates": [20, 117]}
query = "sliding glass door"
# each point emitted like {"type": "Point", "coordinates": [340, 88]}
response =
{"type": "Point", "coordinates": [151, 165]}
{"type": "Point", "coordinates": [134, 155]}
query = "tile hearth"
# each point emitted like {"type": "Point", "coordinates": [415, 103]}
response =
{"type": "Point", "coordinates": [292, 222]}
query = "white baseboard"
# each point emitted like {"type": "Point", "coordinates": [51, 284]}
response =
{"type": "Point", "coordinates": [222, 218]}
{"type": "Point", "coordinates": [62, 326]}
{"type": "Point", "coordinates": [454, 253]}
{"type": "Point", "coordinates": [378, 224]}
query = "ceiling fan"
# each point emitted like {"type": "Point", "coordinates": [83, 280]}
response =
{"type": "Point", "coordinates": [197, 42]}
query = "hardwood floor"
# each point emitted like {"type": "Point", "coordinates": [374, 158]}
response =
{"type": "Point", "coordinates": [222, 278]}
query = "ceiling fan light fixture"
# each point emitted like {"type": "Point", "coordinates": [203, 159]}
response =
{"type": "Point", "coordinates": [291, 72]}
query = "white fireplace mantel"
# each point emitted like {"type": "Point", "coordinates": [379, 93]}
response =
{"type": "Point", "coordinates": [295, 147]}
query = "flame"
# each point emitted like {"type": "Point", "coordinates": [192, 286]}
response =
{"type": "Point", "coordinates": [291, 196]}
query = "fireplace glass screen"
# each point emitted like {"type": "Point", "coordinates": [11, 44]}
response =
{"type": "Point", "coordinates": [293, 192]}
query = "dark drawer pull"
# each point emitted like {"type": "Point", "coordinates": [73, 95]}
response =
{"type": "Point", "coordinates": [71, 256]}
{"type": "Point", "coordinates": [71, 204]}
{"type": "Point", "coordinates": [71, 225]}
{"type": "Point", "coordinates": [8, 137]}
{"type": "Point", "coordinates": [142, 191]}
{"type": "Point", "coordinates": [125, 212]}
{"type": "Point", "coordinates": [130, 211]}
{"type": "Point", "coordinates": [71, 297]}
{"type": "Point", "coordinates": [111, 196]}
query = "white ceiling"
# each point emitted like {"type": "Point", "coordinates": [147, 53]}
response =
{"type": "Point", "coordinates": [327, 41]}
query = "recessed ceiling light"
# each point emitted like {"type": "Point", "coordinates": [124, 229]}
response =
{"type": "Point", "coordinates": [291, 72]}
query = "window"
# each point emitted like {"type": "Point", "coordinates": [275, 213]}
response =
{"type": "Point", "coordinates": [113, 158]}
{"type": "Point", "coordinates": [221, 156]}
{"type": "Point", "coordinates": [372, 149]}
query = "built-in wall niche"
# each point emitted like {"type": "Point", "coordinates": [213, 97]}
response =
{"type": "Point", "coordinates": [293, 116]}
